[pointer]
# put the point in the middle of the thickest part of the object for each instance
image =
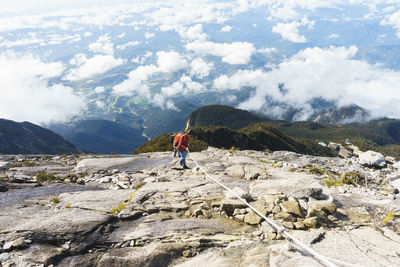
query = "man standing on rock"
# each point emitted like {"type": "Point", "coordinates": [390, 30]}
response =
{"type": "Point", "coordinates": [182, 146]}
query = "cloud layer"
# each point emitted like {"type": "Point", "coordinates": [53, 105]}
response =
{"type": "Point", "coordinates": [332, 74]}
{"type": "Point", "coordinates": [27, 93]}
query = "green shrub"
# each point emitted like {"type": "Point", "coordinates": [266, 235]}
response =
{"type": "Point", "coordinates": [55, 200]}
{"type": "Point", "coordinates": [42, 176]}
{"type": "Point", "coordinates": [352, 178]}
{"type": "Point", "coordinates": [316, 170]}
{"type": "Point", "coordinates": [390, 216]}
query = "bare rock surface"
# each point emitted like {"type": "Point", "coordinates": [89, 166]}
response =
{"type": "Point", "coordinates": [93, 210]}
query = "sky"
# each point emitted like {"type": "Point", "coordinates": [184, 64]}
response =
{"type": "Point", "coordinates": [54, 54]}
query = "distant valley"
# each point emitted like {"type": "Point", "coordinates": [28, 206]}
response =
{"type": "Point", "coordinates": [212, 125]}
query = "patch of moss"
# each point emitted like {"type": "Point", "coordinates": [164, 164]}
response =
{"type": "Point", "coordinates": [352, 178]}
{"type": "Point", "coordinates": [316, 170]}
{"type": "Point", "coordinates": [389, 216]}
{"type": "Point", "coordinates": [292, 169]}
{"type": "Point", "coordinates": [119, 208]}
{"type": "Point", "coordinates": [332, 182]}
{"type": "Point", "coordinates": [55, 200]}
{"type": "Point", "coordinates": [42, 176]}
{"type": "Point", "coordinates": [68, 206]}
{"type": "Point", "coordinates": [26, 163]}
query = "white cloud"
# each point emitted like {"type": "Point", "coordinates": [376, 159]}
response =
{"type": "Point", "coordinates": [182, 87]}
{"type": "Point", "coordinates": [27, 94]}
{"type": "Point", "coordinates": [102, 45]}
{"type": "Point", "coordinates": [160, 101]}
{"type": "Point", "coordinates": [233, 53]}
{"type": "Point", "coordinates": [149, 35]}
{"type": "Point", "coordinates": [267, 50]}
{"type": "Point", "coordinates": [91, 15]}
{"type": "Point", "coordinates": [175, 15]}
{"type": "Point", "coordinates": [393, 20]}
{"type": "Point", "coordinates": [333, 36]}
{"type": "Point", "coordinates": [128, 44]}
{"type": "Point", "coordinates": [22, 42]}
{"type": "Point", "coordinates": [332, 74]}
{"type": "Point", "coordinates": [99, 89]}
{"type": "Point", "coordinates": [193, 33]}
{"type": "Point", "coordinates": [200, 68]}
{"type": "Point", "coordinates": [122, 35]}
{"type": "Point", "coordinates": [284, 13]}
{"type": "Point", "coordinates": [100, 104]}
{"type": "Point", "coordinates": [289, 31]}
{"type": "Point", "coordinates": [136, 82]}
{"type": "Point", "coordinates": [87, 34]}
{"type": "Point", "coordinates": [142, 59]}
{"type": "Point", "coordinates": [226, 28]}
{"type": "Point", "coordinates": [89, 67]}
{"type": "Point", "coordinates": [170, 61]}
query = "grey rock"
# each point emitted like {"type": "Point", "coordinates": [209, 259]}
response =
{"type": "Point", "coordinates": [4, 165]}
{"type": "Point", "coordinates": [235, 171]}
{"type": "Point", "coordinates": [229, 205]}
{"type": "Point", "coordinates": [253, 172]}
{"type": "Point", "coordinates": [240, 192]}
{"type": "Point", "coordinates": [324, 206]}
{"type": "Point", "coordinates": [372, 159]}
{"type": "Point", "coordinates": [291, 207]}
{"type": "Point", "coordinates": [311, 222]}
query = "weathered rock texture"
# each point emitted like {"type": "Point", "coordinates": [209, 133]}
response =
{"type": "Point", "coordinates": [147, 211]}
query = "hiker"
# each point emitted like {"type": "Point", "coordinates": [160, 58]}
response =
{"type": "Point", "coordinates": [182, 146]}
{"type": "Point", "coordinates": [175, 144]}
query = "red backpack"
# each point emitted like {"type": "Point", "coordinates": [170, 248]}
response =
{"type": "Point", "coordinates": [176, 139]}
{"type": "Point", "coordinates": [183, 142]}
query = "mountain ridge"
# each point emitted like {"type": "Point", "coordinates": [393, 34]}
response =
{"type": "Point", "coordinates": [29, 138]}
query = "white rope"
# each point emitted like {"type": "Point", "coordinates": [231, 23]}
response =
{"type": "Point", "coordinates": [281, 230]}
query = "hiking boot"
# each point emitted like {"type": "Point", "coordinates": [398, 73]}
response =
{"type": "Point", "coordinates": [186, 167]}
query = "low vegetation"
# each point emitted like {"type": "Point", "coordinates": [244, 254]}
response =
{"type": "Point", "coordinates": [119, 208]}
{"type": "Point", "coordinates": [259, 137]}
{"type": "Point", "coordinates": [391, 215]}
{"type": "Point", "coordinates": [381, 135]}
{"type": "Point", "coordinates": [26, 163]}
{"type": "Point", "coordinates": [55, 200]}
{"type": "Point", "coordinates": [316, 171]}
{"type": "Point", "coordinates": [349, 178]}
{"type": "Point", "coordinates": [43, 176]}
{"type": "Point", "coordinates": [329, 182]}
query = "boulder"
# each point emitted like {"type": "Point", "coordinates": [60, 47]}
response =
{"type": "Point", "coordinates": [253, 172]}
{"type": "Point", "coordinates": [372, 159]}
{"type": "Point", "coordinates": [396, 184]}
{"type": "Point", "coordinates": [4, 165]}
{"type": "Point", "coordinates": [311, 222]}
{"type": "Point", "coordinates": [20, 242]}
{"type": "Point", "coordinates": [241, 160]}
{"type": "Point", "coordinates": [235, 171]}
{"type": "Point", "coordinates": [298, 185]}
{"type": "Point", "coordinates": [240, 192]}
{"type": "Point", "coordinates": [291, 207]}
{"type": "Point", "coordinates": [321, 206]}
{"type": "Point", "coordinates": [252, 217]}
{"type": "Point", "coordinates": [396, 165]}
{"type": "Point", "coordinates": [229, 205]}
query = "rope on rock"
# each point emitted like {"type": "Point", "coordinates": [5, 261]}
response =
{"type": "Point", "coordinates": [282, 230]}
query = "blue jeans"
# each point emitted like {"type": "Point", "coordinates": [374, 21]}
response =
{"type": "Point", "coordinates": [182, 154]}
